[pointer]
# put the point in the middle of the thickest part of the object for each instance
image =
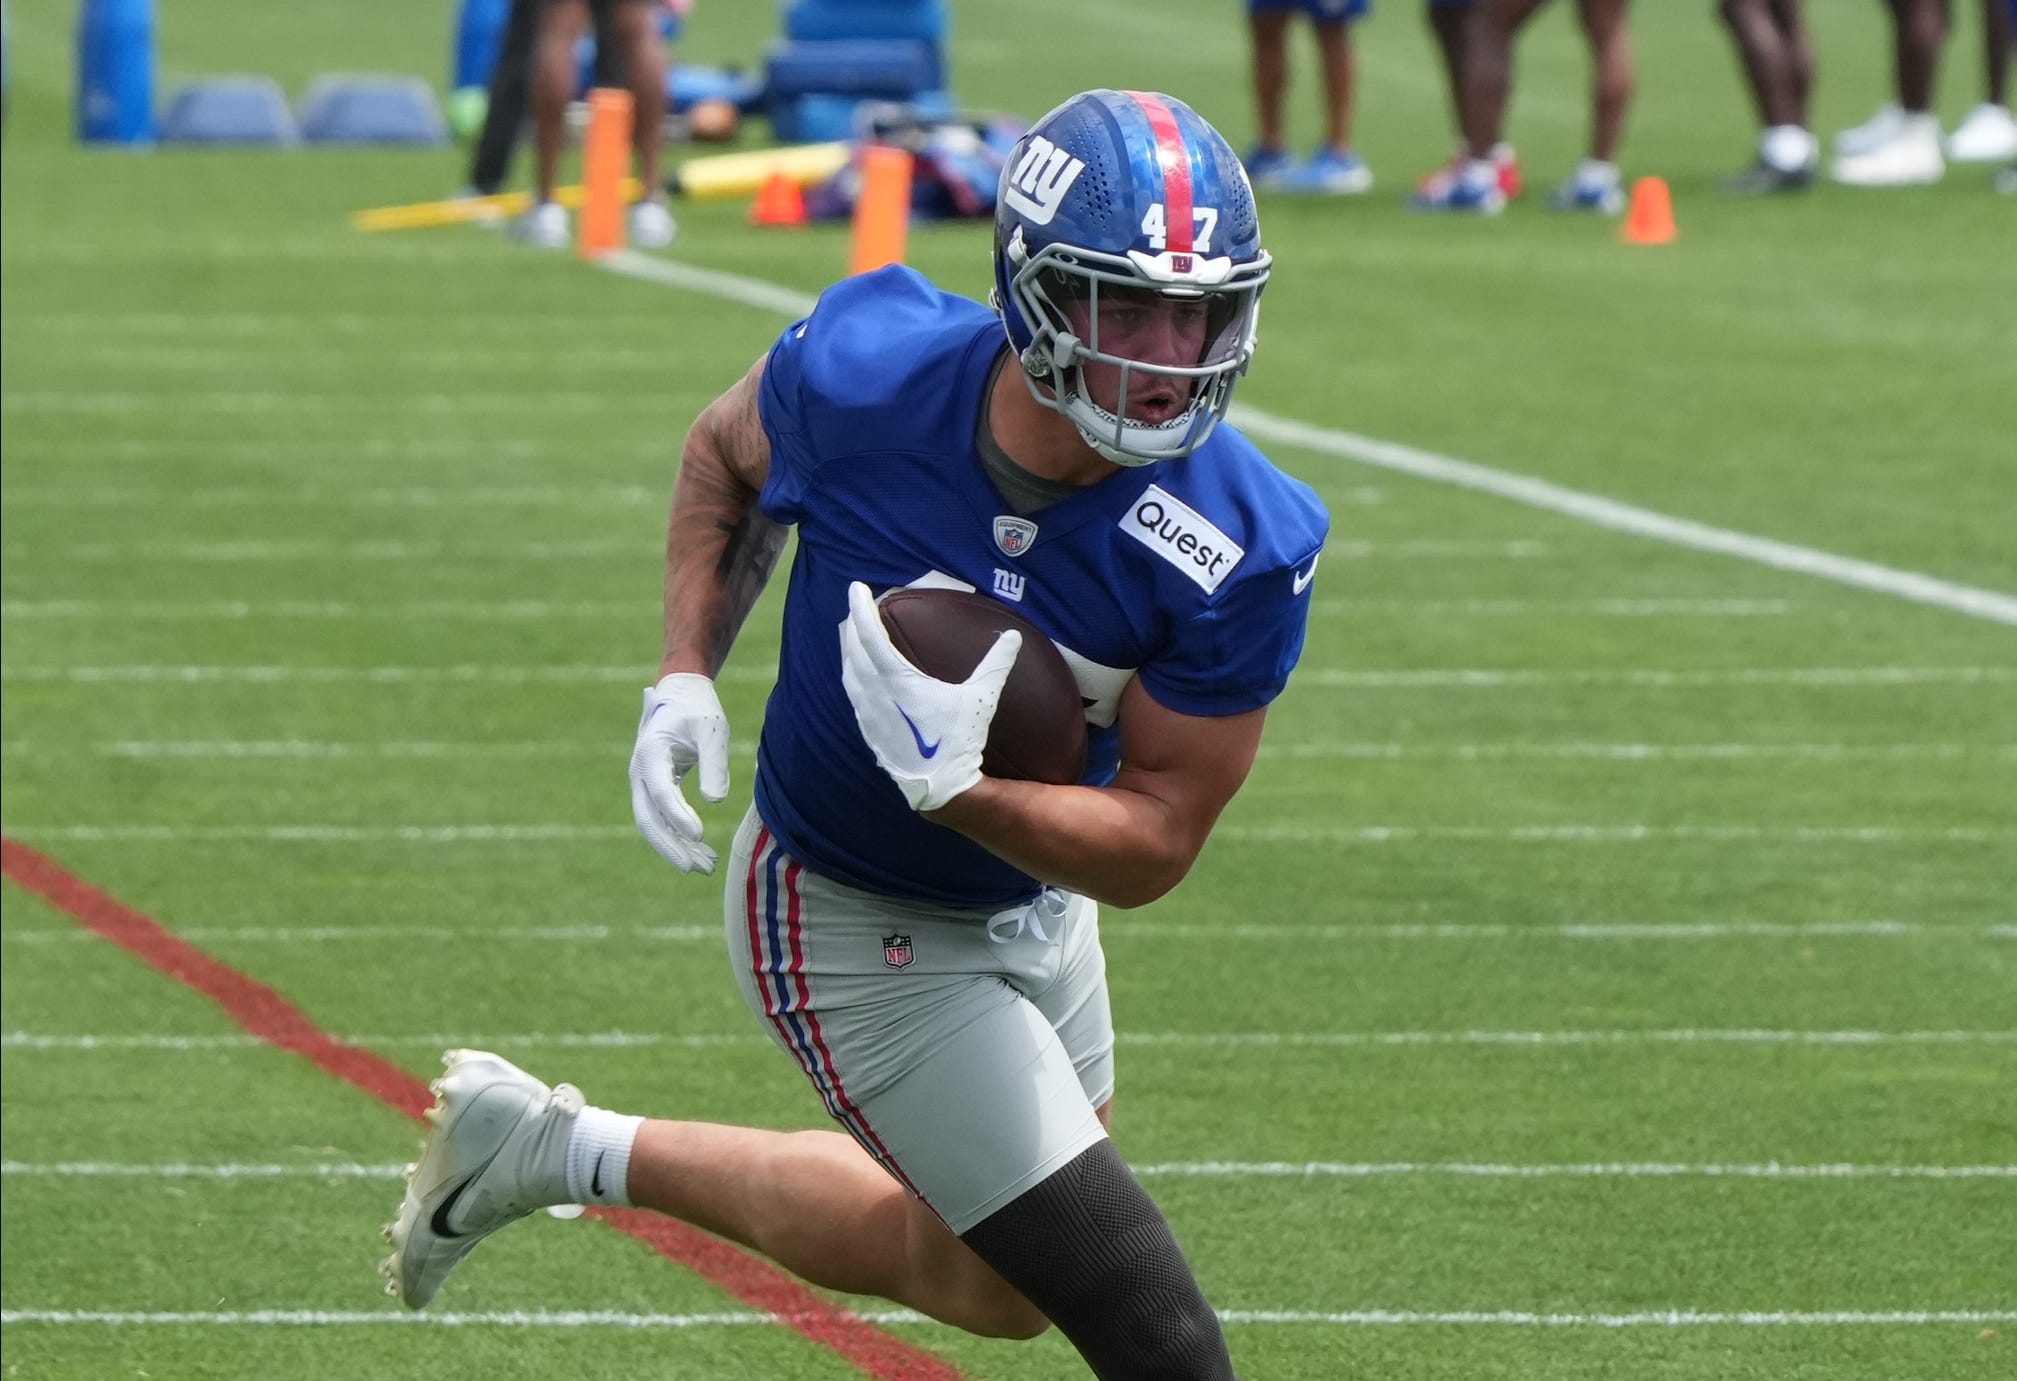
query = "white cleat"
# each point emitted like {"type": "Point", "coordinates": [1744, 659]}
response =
{"type": "Point", "coordinates": [1988, 135]}
{"type": "Point", "coordinates": [496, 1152]}
{"type": "Point", "coordinates": [651, 226]}
{"type": "Point", "coordinates": [1860, 139]}
{"type": "Point", "coordinates": [543, 226]}
{"type": "Point", "coordinates": [1910, 158]}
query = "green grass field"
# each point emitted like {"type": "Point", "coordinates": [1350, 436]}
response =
{"type": "Point", "coordinates": [1612, 928]}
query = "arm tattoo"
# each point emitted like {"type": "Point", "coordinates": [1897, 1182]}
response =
{"type": "Point", "coordinates": [720, 548]}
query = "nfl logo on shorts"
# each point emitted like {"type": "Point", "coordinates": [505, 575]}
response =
{"type": "Point", "coordinates": [896, 951]}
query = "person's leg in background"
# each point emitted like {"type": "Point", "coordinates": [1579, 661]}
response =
{"type": "Point", "coordinates": [510, 85]}
{"type": "Point", "coordinates": [1267, 36]}
{"type": "Point", "coordinates": [1901, 145]}
{"type": "Point", "coordinates": [1595, 185]}
{"type": "Point", "coordinates": [554, 74]}
{"type": "Point", "coordinates": [1778, 61]}
{"type": "Point", "coordinates": [635, 26]}
{"type": "Point", "coordinates": [1989, 132]}
{"type": "Point", "coordinates": [1334, 168]}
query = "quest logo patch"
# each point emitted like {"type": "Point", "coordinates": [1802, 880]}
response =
{"type": "Point", "coordinates": [1180, 535]}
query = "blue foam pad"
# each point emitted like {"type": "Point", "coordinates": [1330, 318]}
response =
{"type": "Point", "coordinates": [229, 110]}
{"type": "Point", "coordinates": [888, 69]}
{"type": "Point", "coordinates": [686, 83]}
{"type": "Point", "coordinates": [813, 119]}
{"type": "Point", "coordinates": [371, 110]}
{"type": "Point", "coordinates": [821, 19]}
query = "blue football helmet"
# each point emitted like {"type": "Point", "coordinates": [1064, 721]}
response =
{"type": "Point", "coordinates": [1127, 194]}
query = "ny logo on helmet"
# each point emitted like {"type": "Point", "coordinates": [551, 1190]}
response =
{"type": "Point", "coordinates": [1037, 187]}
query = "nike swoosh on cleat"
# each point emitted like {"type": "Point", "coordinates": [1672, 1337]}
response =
{"type": "Point", "coordinates": [440, 1220]}
{"type": "Point", "coordinates": [929, 750]}
{"type": "Point", "coordinates": [595, 1175]}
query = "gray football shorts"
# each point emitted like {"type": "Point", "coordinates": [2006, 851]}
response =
{"type": "Point", "coordinates": [965, 1050]}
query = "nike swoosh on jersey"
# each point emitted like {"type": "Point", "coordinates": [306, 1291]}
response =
{"type": "Point", "coordinates": [929, 750]}
{"type": "Point", "coordinates": [1302, 579]}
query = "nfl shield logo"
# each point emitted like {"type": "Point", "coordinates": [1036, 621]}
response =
{"type": "Point", "coordinates": [1014, 535]}
{"type": "Point", "coordinates": [896, 951]}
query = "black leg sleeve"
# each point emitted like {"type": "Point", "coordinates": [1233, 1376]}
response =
{"type": "Point", "coordinates": [510, 91]}
{"type": "Point", "coordinates": [1090, 1249]}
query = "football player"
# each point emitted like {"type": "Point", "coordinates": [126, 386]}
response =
{"type": "Point", "coordinates": [922, 939]}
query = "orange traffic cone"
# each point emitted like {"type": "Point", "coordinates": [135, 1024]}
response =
{"type": "Point", "coordinates": [1649, 220]}
{"type": "Point", "coordinates": [779, 201]}
{"type": "Point", "coordinates": [881, 208]}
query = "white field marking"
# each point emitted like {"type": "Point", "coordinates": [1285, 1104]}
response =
{"type": "Point", "coordinates": [627, 1040]}
{"type": "Point", "coordinates": [1195, 1169]}
{"type": "Point", "coordinates": [446, 403]}
{"type": "Point", "coordinates": [1652, 678]}
{"type": "Point", "coordinates": [533, 833]}
{"type": "Point", "coordinates": [1614, 834]}
{"type": "Point", "coordinates": [280, 452]}
{"type": "Point", "coordinates": [315, 549]}
{"type": "Point", "coordinates": [336, 934]}
{"type": "Point", "coordinates": [1462, 752]}
{"type": "Point", "coordinates": [1559, 608]}
{"type": "Point", "coordinates": [320, 496]}
{"type": "Point", "coordinates": [1766, 1170]}
{"type": "Point", "coordinates": [1362, 1318]}
{"type": "Point", "coordinates": [327, 749]}
{"type": "Point", "coordinates": [225, 611]}
{"type": "Point", "coordinates": [1410, 460]}
{"type": "Point", "coordinates": [1336, 678]}
{"type": "Point", "coordinates": [1622, 517]}
{"type": "Point", "coordinates": [1110, 929]}
{"type": "Point", "coordinates": [1641, 752]}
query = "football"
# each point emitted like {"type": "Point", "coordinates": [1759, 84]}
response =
{"type": "Point", "coordinates": [1039, 729]}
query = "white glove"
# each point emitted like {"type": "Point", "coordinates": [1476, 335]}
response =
{"type": "Point", "coordinates": [926, 733]}
{"type": "Point", "coordinates": [683, 727]}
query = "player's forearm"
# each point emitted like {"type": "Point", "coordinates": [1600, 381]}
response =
{"type": "Point", "coordinates": [1115, 845]}
{"type": "Point", "coordinates": [720, 549]}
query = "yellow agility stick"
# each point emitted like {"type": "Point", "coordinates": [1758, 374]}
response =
{"type": "Point", "coordinates": [741, 174]}
{"type": "Point", "coordinates": [718, 175]}
{"type": "Point", "coordinates": [462, 210]}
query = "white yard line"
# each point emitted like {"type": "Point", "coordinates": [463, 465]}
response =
{"type": "Point", "coordinates": [1281, 834]}
{"type": "Point", "coordinates": [1622, 517]}
{"type": "Point", "coordinates": [315, 549]}
{"type": "Point", "coordinates": [157, 611]}
{"type": "Point", "coordinates": [1112, 928]}
{"type": "Point", "coordinates": [1196, 1169]}
{"type": "Point", "coordinates": [1357, 751]}
{"type": "Point", "coordinates": [1422, 464]}
{"type": "Point", "coordinates": [1361, 1318]}
{"type": "Point", "coordinates": [628, 1040]}
{"type": "Point", "coordinates": [1337, 678]}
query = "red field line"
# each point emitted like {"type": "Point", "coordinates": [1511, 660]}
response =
{"type": "Point", "coordinates": [266, 1014]}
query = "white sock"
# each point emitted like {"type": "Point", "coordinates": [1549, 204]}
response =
{"type": "Point", "coordinates": [598, 1157]}
{"type": "Point", "coordinates": [1788, 148]}
{"type": "Point", "coordinates": [1595, 172]}
{"type": "Point", "coordinates": [1922, 123]}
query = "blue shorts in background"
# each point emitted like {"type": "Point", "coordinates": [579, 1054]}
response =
{"type": "Point", "coordinates": [1322, 11]}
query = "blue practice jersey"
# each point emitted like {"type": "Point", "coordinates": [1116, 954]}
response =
{"type": "Point", "coordinates": [1192, 574]}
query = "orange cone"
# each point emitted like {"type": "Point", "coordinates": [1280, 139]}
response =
{"type": "Point", "coordinates": [605, 163]}
{"type": "Point", "coordinates": [1649, 220]}
{"type": "Point", "coordinates": [881, 208]}
{"type": "Point", "coordinates": [779, 201]}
